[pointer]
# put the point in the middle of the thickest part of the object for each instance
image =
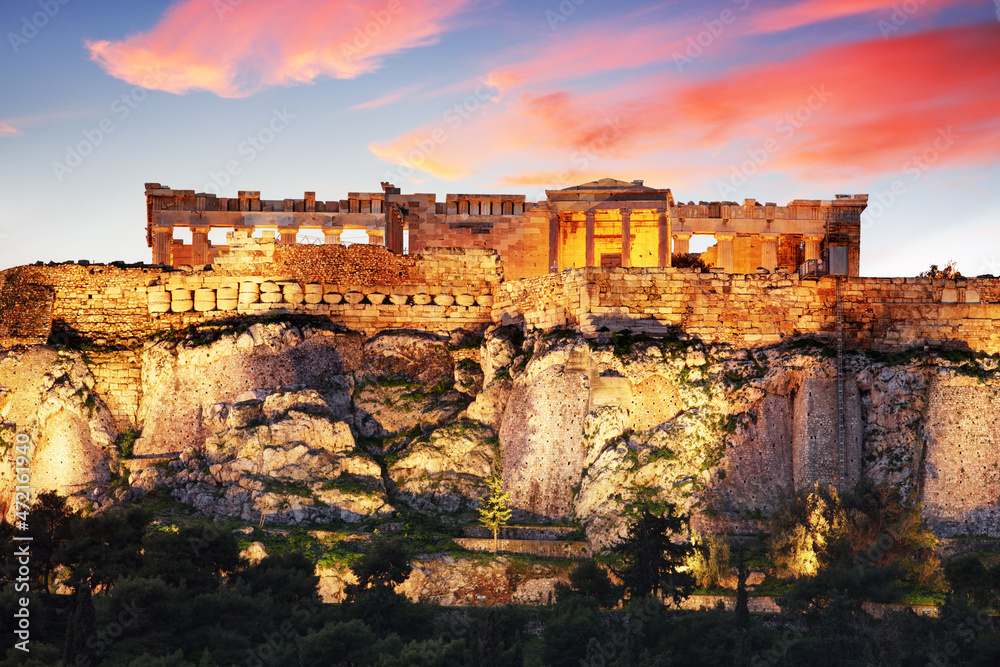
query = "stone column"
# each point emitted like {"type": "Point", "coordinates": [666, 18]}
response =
{"type": "Point", "coordinates": [682, 244]}
{"type": "Point", "coordinates": [163, 242]}
{"type": "Point", "coordinates": [812, 247]}
{"type": "Point", "coordinates": [553, 242]}
{"type": "Point", "coordinates": [663, 256]}
{"type": "Point", "coordinates": [288, 235]}
{"type": "Point", "coordinates": [724, 257]}
{"type": "Point", "coordinates": [199, 245]}
{"type": "Point", "coordinates": [590, 238]}
{"type": "Point", "coordinates": [376, 237]}
{"type": "Point", "coordinates": [332, 236]}
{"type": "Point", "coordinates": [626, 237]}
{"type": "Point", "coordinates": [769, 251]}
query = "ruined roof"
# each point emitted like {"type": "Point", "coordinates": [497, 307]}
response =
{"type": "Point", "coordinates": [610, 184]}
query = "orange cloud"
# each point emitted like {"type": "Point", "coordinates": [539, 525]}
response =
{"type": "Point", "coordinates": [236, 49]}
{"type": "Point", "coordinates": [7, 130]}
{"type": "Point", "coordinates": [808, 12]}
{"type": "Point", "coordinates": [866, 108]}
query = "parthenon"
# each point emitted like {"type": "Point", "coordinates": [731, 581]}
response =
{"type": "Point", "coordinates": [602, 223]}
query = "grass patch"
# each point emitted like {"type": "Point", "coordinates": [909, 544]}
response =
{"type": "Point", "coordinates": [125, 442]}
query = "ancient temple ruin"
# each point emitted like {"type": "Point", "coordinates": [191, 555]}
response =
{"type": "Point", "coordinates": [605, 223]}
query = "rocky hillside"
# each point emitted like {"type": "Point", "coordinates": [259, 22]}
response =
{"type": "Point", "coordinates": [294, 423]}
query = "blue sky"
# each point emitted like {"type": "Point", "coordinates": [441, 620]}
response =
{"type": "Point", "coordinates": [716, 100]}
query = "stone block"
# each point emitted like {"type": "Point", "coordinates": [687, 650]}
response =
{"type": "Point", "coordinates": [354, 297]}
{"type": "Point", "coordinates": [421, 299]}
{"type": "Point", "coordinates": [376, 298]}
{"type": "Point", "coordinates": [332, 298]}
{"type": "Point", "coordinates": [270, 287]}
{"type": "Point", "coordinates": [398, 299]}
{"type": "Point", "coordinates": [444, 299]}
{"type": "Point", "coordinates": [271, 297]}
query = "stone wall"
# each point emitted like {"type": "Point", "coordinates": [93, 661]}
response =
{"type": "Point", "coordinates": [543, 548]}
{"type": "Point", "coordinates": [25, 308]}
{"type": "Point", "coordinates": [365, 288]}
{"type": "Point", "coordinates": [753, 310]}
{"type": "Point", "coordinates": [369, 289]}
{"type": "Point", "coordinates": [521, 241]}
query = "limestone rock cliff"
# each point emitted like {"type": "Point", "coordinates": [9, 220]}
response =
{"type": "Point", "coordinates": [50, 398]}
{"type": "Point", "coordinates": [306, 423]}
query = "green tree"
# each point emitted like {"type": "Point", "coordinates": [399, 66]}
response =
{"type": "Point", "coordinates": [588, 579]}
{"type": "Point", "coordinates": [374, 599]}
{"type": "Point", "coordinates": [494, 513]}
{"type": "Point", "coordinates": [49, 528]}
{"type": "Point", "coordinates": [81, 629]}
{"type": "Point", "coordinates": [652, 560]}
{"type": "Point", "coordinates": [103, 547]}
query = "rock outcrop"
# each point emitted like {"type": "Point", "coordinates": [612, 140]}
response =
{"type": "Point", "coordinates": [302, 423]}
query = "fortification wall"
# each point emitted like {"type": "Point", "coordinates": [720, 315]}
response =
{"type": "Point", "coordinates": [365, 288]}
{"type": "Point", "coordinates": [752, 310]}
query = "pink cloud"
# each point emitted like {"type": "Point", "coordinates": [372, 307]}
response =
{"type": "Point", "coordinates": [808, 12]}
{"type": "Point", "coordinates": [235, 50]}
{"type": "Point", "coordinates": [864, 108]}
{"type": "Point", "coordinates": [389, 98]}
{"type": "Point", "coordinates": [7, 130]}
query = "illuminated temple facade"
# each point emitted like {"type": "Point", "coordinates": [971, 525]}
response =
{"type": "Point", "coordinates": [605, 223]}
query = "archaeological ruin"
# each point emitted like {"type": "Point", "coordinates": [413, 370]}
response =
{"type": "Point", "coordinates": [589, 261]}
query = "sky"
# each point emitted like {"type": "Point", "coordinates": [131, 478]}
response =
{"type": "Point", "coordinates": [717, 100]}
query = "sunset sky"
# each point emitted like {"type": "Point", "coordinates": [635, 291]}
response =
{"type": "Point", "coordinates": [716, 100]}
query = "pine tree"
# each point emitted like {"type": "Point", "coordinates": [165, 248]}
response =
{"type": "Point", "coordinates": [494, 513]}
{"type": "Point", "coordinates": [652, 561]}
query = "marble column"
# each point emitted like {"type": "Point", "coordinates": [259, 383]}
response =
{"type": "Point", "coordinates": [626, 237]}
{"type": "Point", "coordinates": [553, 242]}
{"type": "Point", "coordinates": [724, 256]}
{"type": "Point", "coordinates": [812, 247]}
{"type": "Point", "coordinates": [682, 244]}
{"type": "Point", "coordinates": [199, 245]}
{"type": "Point", "coordinates": [590, 238]}
{"type": "Point", "coordinates": [663, 256]}
{"type": "Point", "coordinates": [332, 236]}
{"type": "Point", "coordinates": [376, 237]}
{"type": "Point", "coordinates": [163, 242]}
{"type": "Point", "coordinates": [769, 251]}
{"type": "Point", "coordinates": [288, 235]}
